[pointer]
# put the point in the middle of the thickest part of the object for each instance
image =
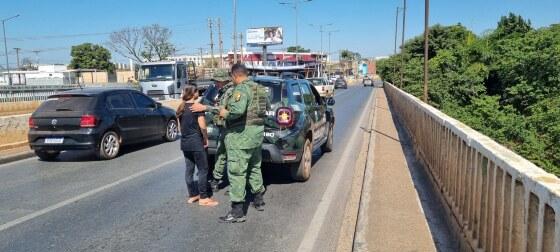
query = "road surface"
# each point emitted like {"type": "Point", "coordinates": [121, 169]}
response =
{"type": "Point", "coordinates": [136, 202]}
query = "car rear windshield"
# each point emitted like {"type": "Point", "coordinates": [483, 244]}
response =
{"type": "Point", "coordinates": [66, 103]}
{"type": "Point", "coordinates": [275, 90]}
{"type": "Point", "coordinates": [316, 82]}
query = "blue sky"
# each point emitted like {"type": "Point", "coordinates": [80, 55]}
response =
{"type": "Point", "coordinates": [366, 26]}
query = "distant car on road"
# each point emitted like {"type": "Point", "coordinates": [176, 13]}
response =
{"type": "Point", "coordinates": [340, 83]}
{"type": "Point", "coordinates": [323, 86]}
{"type": "Point", "coordinates": [299, 122]}
{"type": "Point", "coordinates": [101, 120]}
{"type": "Point", "coordinates": [367, 81]}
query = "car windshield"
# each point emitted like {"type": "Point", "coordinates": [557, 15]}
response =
{"type": "Point", "coordinates": [316, 82]}
{"type": "Point", "coordinates": [66, 103]}
{"type": "Point", "coordinates": [157, 72]}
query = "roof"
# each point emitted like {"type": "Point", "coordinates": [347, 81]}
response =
{"type": "Point", "coordinates": [91, 91]}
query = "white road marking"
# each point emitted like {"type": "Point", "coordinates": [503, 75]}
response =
{"type": "Point", "coordinates": [64, 203]}
{"type": "Point", "coordinates": [314, 228]}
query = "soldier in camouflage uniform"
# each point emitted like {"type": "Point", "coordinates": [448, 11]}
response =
{"type": "Point", "coordinates": [243, 142]}
{"type": "Point", "coordinates": [222, 79]}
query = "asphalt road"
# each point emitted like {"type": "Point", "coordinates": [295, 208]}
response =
{"type": "Point", "coordinates": [136, 202]}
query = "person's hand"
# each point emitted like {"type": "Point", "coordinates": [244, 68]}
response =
{"type": "Point", "coordinates": [197, 107]}
{"type": "Point", "coordinates": [223, 112]}
{"type": "Point", "coordinates": [205, 143]}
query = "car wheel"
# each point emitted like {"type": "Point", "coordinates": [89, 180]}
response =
{"type": "Point", "coordinates": [171, 130]}
{"type": "Point", "coordinates": [109, 146]}
{"type": "Point", "coordinates": [302, 171]}
{"type": "Point", "coordinates": [328, 146]}
{"type": "Point", "coordinates": [47, 155]}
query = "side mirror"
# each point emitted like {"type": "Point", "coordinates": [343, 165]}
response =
{"type": "Point", "coordinates": [157, 105]}
{"type": "Point", "coordinates": [330, 101]}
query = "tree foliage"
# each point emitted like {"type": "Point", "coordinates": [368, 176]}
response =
{"type": "Point", "coordinates": [505, 83]}
{"type": "Point", "coordinates": [298, 49]}
{"type": "Point", "coordinates": [149, 43]}
{"type": "Point", "coordinates": [91, 56]}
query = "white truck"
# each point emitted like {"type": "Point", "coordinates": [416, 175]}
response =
{"type": "Point", "coordinates": [163, 80]}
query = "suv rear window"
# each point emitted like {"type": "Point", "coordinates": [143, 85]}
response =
{"type": "Point", "coordinates": [275, 91]}
{"type": "Point", "coordinates": [67, 103]}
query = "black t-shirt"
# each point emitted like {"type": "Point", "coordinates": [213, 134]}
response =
{"type": "Point", "coordinates": [191, 136]}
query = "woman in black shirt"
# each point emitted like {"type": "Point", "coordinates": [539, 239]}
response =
{"type": "Point", "coordinates": [194, 141]}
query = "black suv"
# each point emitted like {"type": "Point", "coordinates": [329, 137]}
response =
{"type": "Point", "coordinates": [98, 119]}
{"type": "Point", "coordinates": [298, 123]}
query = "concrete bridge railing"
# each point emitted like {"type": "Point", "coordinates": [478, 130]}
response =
{"type": "Point", "coordinates": [498, 200]}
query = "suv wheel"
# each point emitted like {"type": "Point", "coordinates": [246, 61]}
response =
{"type": "Point", "coordinates": [171, 130]}
{"type": "Point", "coordinates": [328, 146]}
{"type": "Point", "coordinates": [109, 146]}
{"type": "Point", "coordinates": [302, 171]}
{"type": "Point", "coordinates": [47, 155]}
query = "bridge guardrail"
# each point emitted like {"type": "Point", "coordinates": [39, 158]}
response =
{"type": "Point", "coordinates": [499, 200]}
{"type": "Point", "coordinates": [19, 93]}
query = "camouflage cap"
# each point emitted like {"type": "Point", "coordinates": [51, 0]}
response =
{"type": "Point", "coordinates": [221, 75]}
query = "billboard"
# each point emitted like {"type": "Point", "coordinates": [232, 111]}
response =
{"type": "Point", "coordinates": [265, 36]}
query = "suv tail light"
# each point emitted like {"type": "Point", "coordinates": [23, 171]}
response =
{"type": "Point", "coordinates": [88, 121]}
{"type": "Point", "coordinates": [285, 116]}
{"type": "Point", "coordinates": [31, 123]}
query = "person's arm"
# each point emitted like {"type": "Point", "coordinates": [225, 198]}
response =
{"type": "Point", "coordinates": [202, 124]}
{"type": "Point", "coordinates": [237, 106]}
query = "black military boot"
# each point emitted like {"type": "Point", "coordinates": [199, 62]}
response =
{"type": "Point", "coordinates": [215, 185]}
{"type": "Point", "coordinates": [258, 202]}
{"type": "Point", "coordinates": [235, 215]}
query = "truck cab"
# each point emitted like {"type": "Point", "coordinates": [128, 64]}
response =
{"type": "Point", "coordinates": [165, 79]}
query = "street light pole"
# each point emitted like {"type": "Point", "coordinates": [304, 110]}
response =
{"type": "Point", "coordinates": [402, 43]}
{"type": "Point", "coordinates": [234, 31]}
{"type": "Point", "coordinates": [395, 48]}
{"type": "Point", "coordinates": [295, 4]}
{"type": "Point", "coordinates": [426, 45]}
{"type": "Point", "coordinates": [6, 47]}
{"type": "Point", "coordinates": [329, 52]}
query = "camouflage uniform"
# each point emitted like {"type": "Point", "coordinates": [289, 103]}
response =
{"type": "Point", "coordinates": [243, 141]}
{"type": "Point", "coordinates": [219, 167]}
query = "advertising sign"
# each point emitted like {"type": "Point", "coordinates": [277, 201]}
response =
{"type": "Point", "coordinates": [265, 36]}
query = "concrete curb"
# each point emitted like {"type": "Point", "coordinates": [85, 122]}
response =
{"type": "Point", "coordinates": [347, 233]}
{"type": "Point", "coordinates": [16, 157]}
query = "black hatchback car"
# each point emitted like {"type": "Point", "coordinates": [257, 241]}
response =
{"type": "Point", "coordinates": [98, 119]}
{"type": "Point", "coordinates": [340, 83]}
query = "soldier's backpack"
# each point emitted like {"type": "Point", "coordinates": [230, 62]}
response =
{"type": "Point", "coordinates": [260, 104]}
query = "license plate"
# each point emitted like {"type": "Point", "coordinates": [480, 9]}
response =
{"type": "Point", "coordinates": [54, 140]}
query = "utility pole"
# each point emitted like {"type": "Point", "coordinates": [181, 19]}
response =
{"type": "Point", "coordinates": [6, 47]}
{"type": "Point", "coordinates": [241, 45]}
{"type": "Point", "coordinates": [396, 35]}
{"type": "Point", "coordinates": [201, 59]}
{"type": "Point", "coordinates": [211, 42]}
{"type": "Point", "coordinates": [402, 43]}
{"type": "Point", "coordinates": [17, 56]}
{"type": "Point", "coordinates": [220, 43]}
{"type": "Point", "coordinates": [37, 56]}
{"type": "Point", "coordinates": [426, 46]}
{"type": "Point", "coordinates": [234, 31]}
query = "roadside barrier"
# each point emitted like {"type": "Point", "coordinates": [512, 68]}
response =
{"type": "Point", "coordinates": [498, 200]}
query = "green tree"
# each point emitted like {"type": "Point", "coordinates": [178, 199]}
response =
{"type": "Point", "coordinates": [298, 49]}
{"type": "Point", "coordinates": [91, 56]}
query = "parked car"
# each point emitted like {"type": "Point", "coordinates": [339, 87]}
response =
{"type": "Point", "coordinates": [367, 81]}
{"type": "Point", "coordinates": [323, 86]}
{"type": "Point", "coordinates": [299, 122]}
{"type": "Point", "coordinates": [101, 120]}
{"type": "Point", "coordinates": [340, 83]}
